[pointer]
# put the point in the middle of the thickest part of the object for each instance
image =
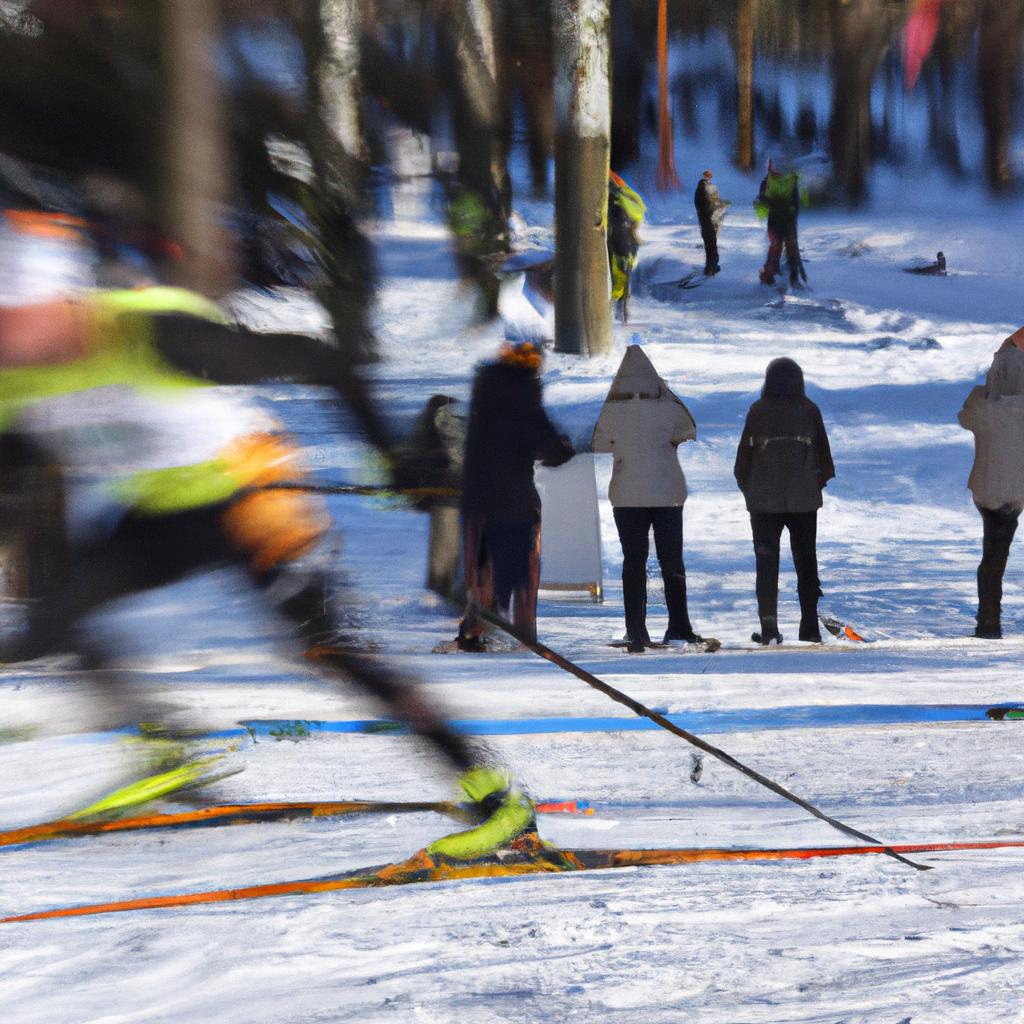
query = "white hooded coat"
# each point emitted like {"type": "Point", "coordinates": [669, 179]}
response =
{"type": "Point", "coordinates": [641, 424]}
{"type": "Point", "coordinates": [994, 412]}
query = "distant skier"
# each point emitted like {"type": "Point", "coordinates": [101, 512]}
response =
{"type": "Point", "coordinates": [507, 431]}
{"type": "Point", "coordinates": [710, 213]}
{"type": "Point", "coordinates": [779, 201]}
{"type": "Point", "coordinates": [994, 413]}
{"type": "Point", "coordinates": [643, 423]}
{"type": "Point", "coordinates": [782, 464]}
{"type": "Point", "coordinates": [625, 215]}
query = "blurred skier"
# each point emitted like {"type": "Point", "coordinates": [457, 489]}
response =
{"type": "Point", "coordinates": [779, 201]}
{"type": "Point", "coordinates": [643, 423]}
{"type": "Point", "coordinates": [625, 215]}
{"type": "Point", "coordinates": [710, 213]}
{"type": "Point", "coordinates": [507, 431]}
{"type": "Point", "coordinates": [110, 385]}
{"type": "Point", "coordinates": [782, 464]}
{"type": "Point", "coordinates": [994, 413]}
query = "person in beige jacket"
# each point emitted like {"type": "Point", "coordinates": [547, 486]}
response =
{"type": "Point", "coordinates": [641, 424]}
{"type": "Point", "coordinates": [994, 413]}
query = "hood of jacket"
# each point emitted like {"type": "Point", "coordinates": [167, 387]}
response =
{"type": "Point", "coordinates": [636, 377]}
{"type": "Point", "coordinates": [783, 379]}
{"type": "Point", "coordinates": [642, 423]}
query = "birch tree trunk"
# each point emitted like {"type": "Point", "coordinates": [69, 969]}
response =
{"type": "Point", "coordinates": [341, 87]}
{"type": "Point", "coordinates": [582, 145]}
{"type": "Point", "coordinates": [480, 207]}
{"type": "Point", "coordinates": [195, 158]}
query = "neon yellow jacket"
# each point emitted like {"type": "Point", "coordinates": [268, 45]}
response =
{"type": "Point", "coordinates": [122, 413]}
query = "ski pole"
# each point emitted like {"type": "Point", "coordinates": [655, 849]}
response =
{"type": "Point", "coordinates": [640, 709]}
{"type": "Point", "coordinates": [365, 489]}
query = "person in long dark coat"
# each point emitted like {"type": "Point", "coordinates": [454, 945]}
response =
{"type": "Point", "coordinates": [707, 203]}
{"type": "Point", "coordinates": [782, 464]}
{"type": "Point", "coordinates": [507, 432]}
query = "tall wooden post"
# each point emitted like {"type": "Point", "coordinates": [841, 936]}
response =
{"type": "Point", "coordinates": [745, 85]}
{"type": "Point", "coordinates": [667, 177]}
{"type": "Point", "coordinates": [195, 155]}
{"type": "Point", "coordinates": [582, 144]}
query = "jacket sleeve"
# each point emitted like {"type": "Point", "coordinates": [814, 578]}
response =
{"type": "Point", "coordinates": [552, 448]}
{"type": "Point", "coordinates": [684, 428]}
{"type": "Point", "coordinates": [744, 457]}
{"type": "Point", "coordinates": [826, 468]}
{"type": "Point", "coordinates": [968, 415]}
{"type": "Point", "coordinates": [602, 441]}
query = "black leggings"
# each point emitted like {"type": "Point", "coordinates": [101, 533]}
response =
{"type": "Point", "coordinates": [767, 528]}
{"type": "Point", "coordinates": [634, 526]}
{"type": "Point", "coordinates": [999, 526]}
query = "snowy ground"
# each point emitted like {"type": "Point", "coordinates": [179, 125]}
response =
{"type": "Point", "coordinates": [889, 358]}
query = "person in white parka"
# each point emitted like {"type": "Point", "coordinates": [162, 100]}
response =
{"type": "Point", "coordinates": [642, 423]}
{"type": "Point", "coordinates": [994, 413]}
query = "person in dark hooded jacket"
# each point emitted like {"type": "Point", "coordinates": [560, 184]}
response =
{"type": "Point", "coordinates": [782, 464]}
{"type": "Point", "coordinates": [507, 432]}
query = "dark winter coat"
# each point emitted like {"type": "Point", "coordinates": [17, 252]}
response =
{"type": "Point", "coordinates": [702, 202]}
{"type": "Point", "coordinates": [431, 456]}
{"type": "Point", "coordinates": [783, 460]}
{"type": "Point", "coordinates": [507, 432]}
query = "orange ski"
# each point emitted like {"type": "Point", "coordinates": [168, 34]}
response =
{"type": "Point", "coordinates": [421, 869]}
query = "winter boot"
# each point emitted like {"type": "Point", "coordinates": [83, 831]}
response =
{"type": "Point", "coordinates": [769, 633]}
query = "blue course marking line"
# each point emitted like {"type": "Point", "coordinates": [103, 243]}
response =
{"type": "Point", "coordinates": [742, 720]}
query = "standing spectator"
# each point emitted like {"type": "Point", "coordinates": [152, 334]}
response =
{"type": "Point", "coordinates": [431, 460]}
{"type": "Point", "coordinates": [625, 215]}
{"type": "Point", "coordinates": [994, 413]}
{"type": "Point", "coordinates": [782, 464]}
{"type": "Point", "coordinates": [710, 213]}
{"type": "Point", "coordinates": [508, 430]}
{"type": "Point", "coordinates": [779, 201]}
{"type": "Point", "coordinates": [641, 424]}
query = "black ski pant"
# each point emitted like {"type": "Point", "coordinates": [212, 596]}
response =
{"type": "Point", "coordinates": [634, 526]}
{"type": "Point", "coordinates": [767, 529]}
{"type": "Point", "coordinates": [145, 552]}
{"type": "Point", "coordinates": [998, 526]}
{"type": "Point", "coordinates": [710, 238]}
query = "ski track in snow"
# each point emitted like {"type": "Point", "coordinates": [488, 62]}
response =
{"type": "Point", "coordinates": [889, 358]}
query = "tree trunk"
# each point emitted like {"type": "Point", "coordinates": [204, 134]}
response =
{"type": "Point", "coordinates": [195, 155]}
{"type": "Point", "coordinates": [582, 145]}
{"type": "Point", "coordinates": [862, 31]}
{"type": "Point", "coordinates": [999, 44]}
{"type": "Point", "coordinates": [667, 178]}
{"type": "Point", "coordinates": [745, 85]}
{"type": "Point", "coordinates": [343, 253]}
{"type": "Point", "coordinates": [481, 201]}
{"type": "Point", "coordinates": [341, 84]}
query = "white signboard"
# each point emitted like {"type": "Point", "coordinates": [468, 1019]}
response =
{"type": "Point", "coordinates": [570, 545]}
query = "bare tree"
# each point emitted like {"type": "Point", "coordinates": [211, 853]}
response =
{"type": "Point", "coordinates": [341, 84]}
{"type": "Point", "coordinates": [195, 157]}
{"type": "Point", "coordinates": [862, 32]}
{"type": "Point", "coordinates": [999, 48]}
{"type": "Point", "coordinates": [582, 145]}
